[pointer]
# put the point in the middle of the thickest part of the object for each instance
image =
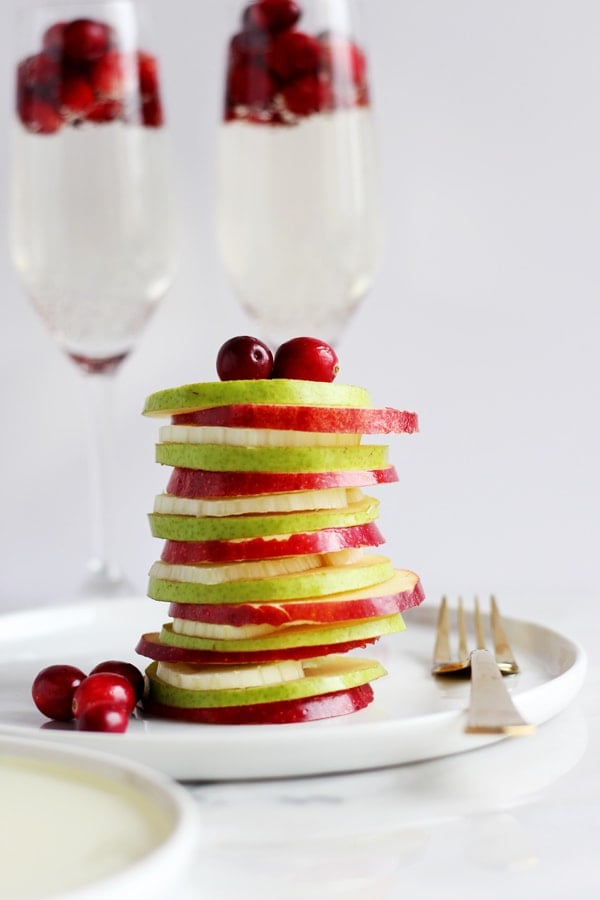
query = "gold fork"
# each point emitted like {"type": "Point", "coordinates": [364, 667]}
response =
{"type": "Point", "coordinates": [491, 709]}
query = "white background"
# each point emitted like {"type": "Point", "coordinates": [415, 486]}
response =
{"type": "Point", "coordinates": [484, 317]}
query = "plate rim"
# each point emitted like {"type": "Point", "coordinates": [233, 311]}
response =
{"type": "Point", "coordinates": [150, 752]}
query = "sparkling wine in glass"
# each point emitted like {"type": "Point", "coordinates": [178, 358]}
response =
{"type": "Point", "coordinates": [298, 205]}
{"type": "Point", "coordinates": [92, 224]}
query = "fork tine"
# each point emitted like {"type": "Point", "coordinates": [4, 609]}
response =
{"type": "Point", "coordinates": [479, 632]}
{"type": "Point", "coordinates": [441, 651]}
{"type": "Point", "coordinates": [463, 650]}
{"type": "Point", "coordinates": [504, 655]}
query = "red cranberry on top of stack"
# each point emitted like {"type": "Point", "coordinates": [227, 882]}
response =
{"type": "Point", "coordinates": [278, 73]}
{"type": "Point", "coordinates": [82, 74]}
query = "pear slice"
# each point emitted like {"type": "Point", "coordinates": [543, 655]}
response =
{"type": "Point", "coordinates": [304, 636]}
{"type": "Point", "coordinates": [209, 528]}
{"type": "Point", "coordinates": [219, 573]}
{"type": "Point", "coordinates": [189, 397]}
{"type": "Point", "coordinates": [219, 458]}
{"type": "Point", "coordinates": [320, 676]}
{"type": "Point", "coordinates": [372, 569]}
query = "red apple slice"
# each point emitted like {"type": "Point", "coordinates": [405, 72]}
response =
{"type": "Point", "coordinates": [150, 645]}
{"type": "Point", "coordinates": [400, 593]}
{"type": "Point", "coordinates": [328, 540]}
{"type": "Point", "coordinates": [304, 418]}
{"type": "Point", "coordinates": [195, 483]}
{"type": "Point", "coordinates": [278, 712]}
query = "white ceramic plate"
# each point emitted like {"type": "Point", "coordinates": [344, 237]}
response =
{"type": "Point", "coordinates": [124, 830]}
{"type": "Point", "coordinates": [413, 717]}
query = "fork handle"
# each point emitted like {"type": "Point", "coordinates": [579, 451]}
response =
{"type": "Point", "coordinates": [491, 709]}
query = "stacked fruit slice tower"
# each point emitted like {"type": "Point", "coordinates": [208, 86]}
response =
{"type": "Point", "coordinates": [269, 564]}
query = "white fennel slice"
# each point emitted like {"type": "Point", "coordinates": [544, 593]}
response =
{"type": "Point", "coordinates": [295, 501]}
{"type": "Point", "coordinates": [214, 678]}
{"type": "Point", "coordinates": [251, 569]}
{"type": "Point", "coordinates": [254, 437]}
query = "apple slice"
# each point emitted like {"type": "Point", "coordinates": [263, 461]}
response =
{"type": "Point", "coordinates": [327, 540]}
{"type": "Point", "coordinates": [212, 528]}
{"type": "Point", "coordinates": [150, 645]}
{"type": "Point", "coordinates": [305, 418]}
{"type": "Point", "coordinates": [254, 437]}
{"type": "Point", "coordinates": [277, 712]}
{"type": "Point", "coordinates": [272, 459]}
{"type": "Point", "coordinates": [320, 676]}
{"type": "Point", "coordinates": [401, 592]}
{"type": "Point", "coordinates": [296, 501]}
{"type": "Point", "coordinates": [202, 483]}
{"type": "Point", "coordinates": [189, 397]}
{"type": "Point", "coordinates": [372, 569]}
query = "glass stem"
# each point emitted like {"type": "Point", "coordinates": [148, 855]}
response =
{"type": "Point", "coordinates": [104, 573]}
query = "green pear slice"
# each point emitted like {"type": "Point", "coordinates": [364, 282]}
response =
{"type": "Point", "coordinates": [372, 569]}
{"type": "Point", "coordinates": [189, 397]}
{"type": "Point", "coordinates": [192, 528]}
{"type": "Point", "coordinates": [322, 675]}
{"type": "Point", "coordinates": [288, 638]}
{"type": "Point", "coordinates": [219, 458]}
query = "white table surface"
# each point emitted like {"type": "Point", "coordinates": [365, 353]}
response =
{"type": "Point", "coordinates": [516, 819]}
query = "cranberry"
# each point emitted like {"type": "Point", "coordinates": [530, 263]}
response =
{"type": "Point", "coordinates": [248, 47]}
{"type": "Point", "coordinates": [305, 358]}
{"type": "Point", "coordinates": [250, 86]}
{"type": "Point", "coordinates": [147, 74]}
{"type": "Point", "coordinates": [53, 689]}
{"type": "Point", "coordinates": [244, 357]}
{"type": "Point", "coordinates": [76, 97]}
{"type": "Point", "coordinates": [104, 688]}
{"type": "Point", "coordinates": [85, 40]}
{"type": "Point", "coordinates": [39, 74]}
{"type": "Point", "coordinates": [271, 15]}
{"type": "Point", "coordinates": [151, 111]}
{"type": "Point", "coordinates": [127, 670]}
{"type": "Point", "coordinates": [103, 717]}
{"type": "Point", "coordinates": [38, 115]}
{"type": "Point", "coordinates": [293, 54]}
{"type": "Point", "coordinates": [52, 40]}
{"type": "Point", "coordinates": [307, 95]}
{"type": "Point", "coordinates": [105, 111]}
{"type": "Point", "coordinates": [108, 76]}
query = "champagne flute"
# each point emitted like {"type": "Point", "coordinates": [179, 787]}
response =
{"type": "Point", "coordinates": [298, 207]}
{"type": "Point", "coordinates": [92, 228]}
